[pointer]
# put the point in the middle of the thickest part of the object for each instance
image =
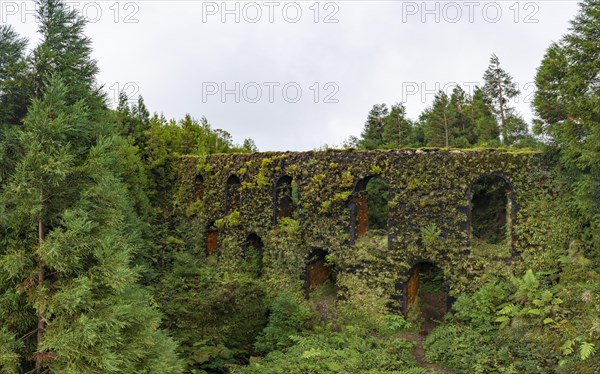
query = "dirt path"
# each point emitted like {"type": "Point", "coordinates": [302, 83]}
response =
{"type": "Point", "coordinates": [433, 310]}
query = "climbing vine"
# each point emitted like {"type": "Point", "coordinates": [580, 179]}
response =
{"type": "Point", "coordinates": [427, 188]}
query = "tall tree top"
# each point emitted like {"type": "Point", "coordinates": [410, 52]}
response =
{"type": "Point", "coordinates": [12, 51]}
{"type": "Point", "coordinates": [64, 51]}
{"type": "Point", "coordinates": [499, 85]}
{"type": "Point", "coordinates": [13, 67]}
{"type": "Point", "coordinates": [372, 135]}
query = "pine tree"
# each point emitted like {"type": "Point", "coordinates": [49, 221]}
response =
{"type": "Point", "coordinates": [13, 67]}
{"type": "Point", "coordinates": [436, 122]}
{"type": "Point", "coordinates": [13, 94]}
{"type": "Point", "coordinates": [499, 88]}
{"type": "Point", "coordinates": [249, 146]}
{"type": "Point", "coordinates": [69, 299]}
{"type": "Point", "coordinates": [372, 135]}
{"type": "Point", "coordinates": [397, 128]}
{"type": "Point", "coordinates": [567, 102]}
{"type": "Point", "coordinates": [461, 123]}
{"type": "Point", "coordinates": [133, 121]}
{"type": "Point", "coordinates": [516, 130]}
{"type": "Point", "coordinates": [72, 236]}
{"type": "Point", "coordinates": [485, 124]}
{"type": "Point", "coordinates": [65, 50]}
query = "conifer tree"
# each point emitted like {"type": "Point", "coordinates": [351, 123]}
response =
{"type": "Point", "coordinates": [69, 298]}
{"type": "Point", "coordinates": [516, 130]}
{"type": "Point", "coordinates": [436, 121]}
{"type": "Point", "coordinates": [71, 237]}
{"type": "Point", "coordinates": [372, 135]}
{"type": "Point", "coordinates": [13, 94]}
{"type": "Point", "coordinates": [13, 67]}
{"type": "Point", "coordinates": [65, 50]}
{"type": "Point", "coordinates": [461, 123]}
{"type": "Point", "coordinates": [499, 88]}
{"type": "Point", "coordinates": [133, 121]}
{"type": "Point", "coordinates": [397, 129]}
{"type": "Point", "coordinates": [485, 124]}
{"type": "Point", "coordinates": [567, 103]}
{"type": "Point", "coordinates": [249, 146]}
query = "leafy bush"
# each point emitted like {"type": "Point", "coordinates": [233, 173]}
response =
{"type": "Point", "coordinates": [480, 309]}
{"type": "Point", "coordinates": [327, 350]}
{"type": "Point", "coordinates": [215, 314]}
{"type": "Point", "coordinates": [288, 317]}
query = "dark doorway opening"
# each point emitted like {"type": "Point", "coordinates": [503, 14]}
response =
{"type": "Point", "coordinates": [233, 194]}
{"type": "Point", "coordinates": [319, 272]}
{"type": "Point", "coordinates": [491, 216]}
{"type": "Point", "coordinates": [212, 239]}
{"type": "Point", "coordinates": [427, 294]}
{"type": "Point", "coordinates": [198, 188]}
{"type": "Point", "coordinates": [286, 198]}
{"type": "Point", "coordinates": [370, 206]}
{"type": "Point", "coordinates": [253, 254]}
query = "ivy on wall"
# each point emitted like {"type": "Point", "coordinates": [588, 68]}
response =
{"type": "Point", "coordinates": [427, 187]}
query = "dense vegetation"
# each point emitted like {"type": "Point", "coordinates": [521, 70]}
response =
{"type": "Point", "coordinates": [101, 269]}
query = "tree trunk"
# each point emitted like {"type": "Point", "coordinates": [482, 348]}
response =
{"type": "Point", "coordinates": [399, 134]}
{"type": "Point", "coordinates": [40, 325]}
{"type": "Point", "coordinates": [501, 100]}
{"type": "Point", "coordinates": [446, 128]}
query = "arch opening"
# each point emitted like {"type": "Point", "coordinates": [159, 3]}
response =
{"type": "Point", "coordinates": [370, 206]}
{"type": "Point", "coordinates": [253, 254]}
{"type": "Point", "coordinates": [427, 294]}
{"type": "Point", "coordinates": [319, 273]}
{"type": "Point", "coordinates": [286, 198]}
{"type": "Point", "coordinates": [233, 194]}
{"type": "Point", "coordinates": [199, 188]}
{"type": "Point", "coordinates": [491, 215]}
{"type": "Point", "coordinates": [212, 239]}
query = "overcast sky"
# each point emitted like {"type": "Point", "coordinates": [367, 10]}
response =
{"type": "Point", "coordinates": [299, 75]}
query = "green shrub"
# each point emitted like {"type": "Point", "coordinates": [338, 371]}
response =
{"type": "Point", "coordinates": [215, 314]}
{"type": "Point", "coordinates": [337, 350]}
{"type": "Point", "coordinates": [288, 317]}
{"type": "Point", "coordinates": [479, 310]}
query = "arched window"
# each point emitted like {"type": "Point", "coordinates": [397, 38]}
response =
{"type": "Point", "coordinates": [318, 271]}
{"type": "Point", "coordinates": [212, 239]}
{"type": "Point", "coordinates": [233, 194]}
{"type": "Point", "coordinates": [198, 188]}
{"type": "Point", "coordinates": [253, 253]}
{"type": "Point", "coordinates": [285, 199]}
{"type": "Point", "coordinates": [491, 214]}
{"type": "Point", "coordinates": [369, 206]}
{"type": "Point", "coordinates": [426, 282]}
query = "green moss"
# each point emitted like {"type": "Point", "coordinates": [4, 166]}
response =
{"type": "Point", "coordinates": [428, 186]}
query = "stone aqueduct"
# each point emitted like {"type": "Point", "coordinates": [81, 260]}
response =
{"type": "Point", "coordinates": [240, 198]}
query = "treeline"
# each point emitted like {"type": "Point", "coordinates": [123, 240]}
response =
{"type": "Point", "coordinates": [460, 120]}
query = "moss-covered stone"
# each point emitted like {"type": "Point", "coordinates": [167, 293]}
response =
{"type": "Point", "coordinates": [426, 187]}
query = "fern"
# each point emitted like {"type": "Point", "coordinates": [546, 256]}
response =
{"type": "Point", "coordinates": [530, 280]}
{"type": "Point", "coordinates": [415, 370]}
{"type": "Point", "coordinates": [586, 350]}
{"type": "Point", "coordinates": [430, 234]}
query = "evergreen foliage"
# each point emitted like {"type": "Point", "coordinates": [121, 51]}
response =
{"type": "Point", "coordinates": [372, 135]}
{"type": "Point", "coordinates": [13, 69]}
{"type": "Point", "coordinates": [567, 102]}
{"type": "Point", "coordinates": [287, 317]}
{"type": "Point", "coordinates": [500, 88]}
{"type": "Point", "coordinates": [70, 237]}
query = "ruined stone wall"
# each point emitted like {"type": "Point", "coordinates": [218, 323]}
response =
{"type": "Point", "coordinates": [428, 188]}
